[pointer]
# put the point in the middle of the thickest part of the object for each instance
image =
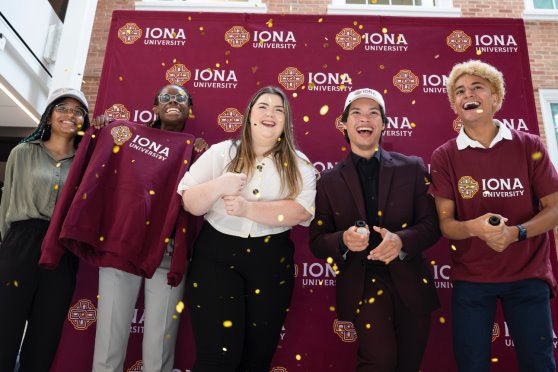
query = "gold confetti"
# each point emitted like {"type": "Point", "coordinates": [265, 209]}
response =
{"type": "Point", "coordinates": [436, 56]}
{"type": "Point", "coordinates": [413, 125]}
{"type": "Point", "coordinates": [385, 91]}
{"type": "Point", "coordinates": [298, 357]}
{"type": "Point", "coordinates": [442, 320]}
{"type": "Point", "coordinates": [413, 102]}
{"type": "Point", "coordinates": [224, 349]}
{"type": "Point", "coordinates": [227, 324]}
{"type": "Point", "coordinates": [424, 280]}
{"type": "Point", "coordinates": [454, 247]}
{"type": "Point", "coordinates": [432, 262]}
{"type": "Point", "coordinates": [324, 109]}
{"type": "Point", "coordinates": [285, 164]}
{"type": "Point", "coordinates": [269, 23]}
{"type": "Point", "coordinates": [536, 155]}
{"type": "Point", "coordinates": [56, 187]}
{"type": "Point", "coordinates": [167, 240]}
{"type": "Point", "coordinates": [201, 28]}
{"type": "Point", "coordinates": [404, 225]}
{"type": "Point", "coordinates": [320, 20]}
{"type": "Point", "coordinates": [185, 161]}
{"type": "Point", "coordinates": [151, 192]}
{"type": "Point", "coordinates": [360, 27]}
{"type": "Point", "coordinates": [479, 52]}
{"type": "Point", "coordinates": [248, 250]}
{"type": "Point", "coordinates": [16, 283]}
{"type": "Point", "coordinates": [355, 23]}
{"type": "Point", "coordinates": [115, 149]}
{"type": "Point", "coordinates": [380, 292]}
{"type": "Point", "coordinates": [332, 308]}
{"type": "Point", "coordinates": [329, 260]}
{"type": "Point", "coordinates": [80, 133]}
{"type": "Point", "coordinates": [179, 307]}
{"type": "Point", "coordinates": [306, 119]}
{"type": "Point", "coordinates": [217, 65]}
{"type": "Point", "coordinates": [266, 240]}
{"type": "Point", "coordinates": [371, 300]}
{"type": "Point", "coordinates": [257, 291]}
{"type": "Point", "coordinates": [379, 213]}
{"type": "Point", "coordinates": [384, 30]}
{"type": "Point", "coordinates": [494, 360]}
{"type": "Point", "coordinates": [368, 325]}
{"type": "Point", "coordinates": [163, 64]}
{"type": "Point", "coordinates": [295, 94]}
{"type": "Point", "coordinates": [320, 222]}
{"type": "Point", "coordinates": [280, 218]}
{"type": "Point", "coordinates": [101, 238]}
{"type": "Point", "coordinates": [84, 196]}
{"type": "Point", "coordinates": [337, 58]}
{"type": "Point", "coordinates": [195, 285]}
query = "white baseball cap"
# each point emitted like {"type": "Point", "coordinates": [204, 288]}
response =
{"type": "Point", "coordinates": [70, 93]}
{"type": "Point", "coordinates": [365, 93]}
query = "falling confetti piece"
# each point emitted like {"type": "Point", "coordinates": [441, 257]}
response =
{"type": "Point", "coordinates": [337, 58]}
{"type": "Point", "coordinates": [329, 260]}
{"type": "Point", "coordinates": [413, 102]}
{"type": "Point", "coordinates": [355, 23]}
{"type": "Point", "coordinates": [120, 78]}
{"type": "Point", "coordinates": [320, 222]}
{"type": "Point", "coordinates": [285, 164]}
{"type": "Point", "coordinates": [101, 238]}
{"type": "Point", "coordinates": [371, 300]}
{"type": "Point", "coordinates": [442, 320]}
{"type": "Point", "coordinates": [413, 125]}
{"type": "Point", "coordinates": [306, 119]}
{"type": "Point", "coordinates": [84, 196]}
{"type": "Point", "coordinates": [151, 192]}
{"type": "Point", "coordinates": [379, 213]}
{"type": "Point", "coordinates": [167, 240]}
{"type": "Point", "coordinates": [227, 324]}
{"type": "Point", "coordinates": [80, 133]}
{"type": "Point", "coordinates": [195, 285]}
{"type": "Point", "coordinates": [185, 161]}
{"type": "Point", "coordinates": [248, 250]}
{"type": "Point", "coordinates": [433, 262]}
{"type": "Point", "coordinates": [217, 65]}
{"type": "Point", "coordinates": [332, 308]}
{"type": "Point", "coordinates": [280, 218]}
{"type": "Point", "coordinates": [224, 349]}
{"type": "Point", "coordinates": [343, 148]}
{"type": "Point", "coordinates": [424, 280]}
{"type": "Point", "coordinates": [324, 110]}
{"type": "Point", "coordinates": [320, 20]}
{"type": "Point", "coordinates": [380, 292]}
{"type": "Point", "coordinates": [115, 149]}
{"type": "Point", "coordinates": [385, 91]}
{"type": "Point", "coordinates": [56, 187]}
{"type": "Point", "coordinates": [368, 325]}
{"type": "Point", "coordinates": [479, 52]}
{"type": "Point", "coordinates": [494, 360]}
{"type": "Point", "coordinates": [201, 28]}
{"type": "Point", "coordinates": [454, 247]}
{"type": "Point", "coordinates": [16, 283]}
{"type": "Point", "coordinates": [536, 155]}
{"type": "Point", "coordinates": [298, 357]}
{"type": "Point", "coordinates": [404, 225]}
{"type": "Point", "coordinates": [269, 23]}
{"type": "Point", "coordinates": [360, 27]}
{"type": "Point", "coordinates": [266, 240]}
{"type": "Point", "coordinates": [179, 307]}
{"type": "Point", "coordinates": [384, 30]}
{"type": "Point", "coordinates": [257, 291]}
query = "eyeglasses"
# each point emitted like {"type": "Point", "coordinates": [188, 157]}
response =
{"type": "Point", "coordinates": [78, 112]}
{"type": "Point", "coordinates": [166, 98]}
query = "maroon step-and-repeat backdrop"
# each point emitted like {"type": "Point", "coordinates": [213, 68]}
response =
{"type": "Point", "coordinates": [222, 59]}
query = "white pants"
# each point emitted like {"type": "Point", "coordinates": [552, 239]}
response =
{"type": "Point", "coordinates": [118, 293]}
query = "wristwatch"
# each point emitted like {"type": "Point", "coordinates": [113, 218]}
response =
{"type": "Point", "coordinates": [522, 234]}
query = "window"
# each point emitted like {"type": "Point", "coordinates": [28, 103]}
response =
{"type": "Point", "coordinates": [545, 4]}
{"type": "Point", "coordinates": [541, 10]}
{"type": "Point", "coordinates": [549, 109]}
{"type": "Point", "coordinates": [228, 6]}
{"type": "Point", "coordinates": [413, 8]}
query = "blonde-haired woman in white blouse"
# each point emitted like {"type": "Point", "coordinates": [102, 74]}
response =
{"type": "Point", "coordinates": [251, 191]}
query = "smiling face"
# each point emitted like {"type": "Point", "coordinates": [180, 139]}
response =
{"type": "Point", "coordinates": [172, 114]}
{"type": "Point", "coordinates": [364, 126]}
{"type": "Point", "coordinates": [474, 99]}
{"type": "Point", "coordinates": [267, 119]}
{"type": "Point", "coordinates": [66, 124]}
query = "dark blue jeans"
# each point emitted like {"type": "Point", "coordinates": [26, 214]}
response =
{"type": "Point", "coordinates": [526, 307]}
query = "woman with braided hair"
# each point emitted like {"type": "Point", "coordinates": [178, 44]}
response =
{"type": "Point", "coordinates": [35, 174]}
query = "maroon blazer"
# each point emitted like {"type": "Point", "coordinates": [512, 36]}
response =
{"type": "Point", "coordinates": [402, 199]}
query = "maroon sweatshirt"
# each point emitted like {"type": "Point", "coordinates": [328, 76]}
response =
{"type": "Point", "coordinates": [119, 206]}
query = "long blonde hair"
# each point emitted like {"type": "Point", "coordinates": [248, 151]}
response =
{"type": "Point", "coordinates": [283, 153]}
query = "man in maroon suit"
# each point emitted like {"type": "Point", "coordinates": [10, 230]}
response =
{"type": "Point", "coordinates": [384, 285]}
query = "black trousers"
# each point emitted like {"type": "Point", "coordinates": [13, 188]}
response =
{"type": "Point", "coordinates": [29, 293]}
{"type": "Point", "coordinates": [238, 291]}
{"type": "Point", "coordinates": [392, 337]}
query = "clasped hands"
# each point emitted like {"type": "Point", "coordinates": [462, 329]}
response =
{"type": "Point", "coordinates": [386, 251]}
{"type": "Point", "coordinates": [497, 237]}
{"type": "Point", "coordinates": [232, 185]}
